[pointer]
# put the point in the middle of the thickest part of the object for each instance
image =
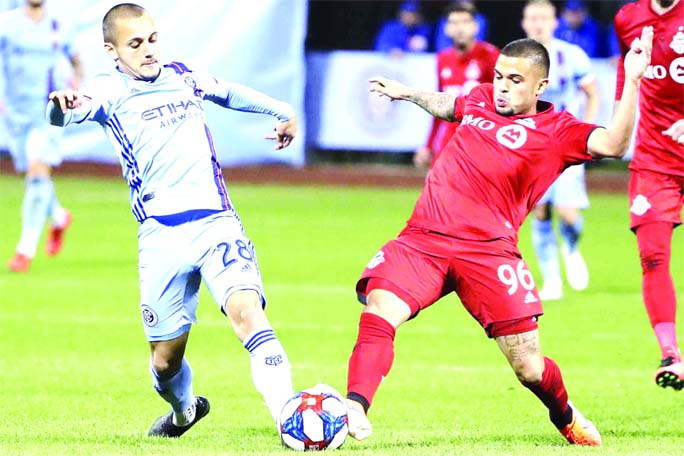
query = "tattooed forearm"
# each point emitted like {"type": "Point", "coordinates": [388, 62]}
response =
{"type": "Point", "coordinates": [439, 104]}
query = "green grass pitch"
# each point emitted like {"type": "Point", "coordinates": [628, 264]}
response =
{"type": "Point", "coordinates": [74, 363]}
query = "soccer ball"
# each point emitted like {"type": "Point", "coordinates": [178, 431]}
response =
{"type": "Point", "coordinates": [314, 419]}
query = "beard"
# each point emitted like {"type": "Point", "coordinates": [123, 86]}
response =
{"type": "Point", "coordinates": [506, 112]}
{"type": "Point", "coordinates": [665, 3]}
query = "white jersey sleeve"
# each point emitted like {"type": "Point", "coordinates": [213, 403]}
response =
{"type": "Point", "coordinates": [100, 96]}
{"type": "Point", "coordinates": [241, 98]}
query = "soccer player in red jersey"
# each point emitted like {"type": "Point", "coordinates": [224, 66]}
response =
{"type": "Point", "coordinates": [462, 236]}
{"type": "Point", "coordinates": [460, 68]}
{"type": "Point", "coordinates": [656, 189]}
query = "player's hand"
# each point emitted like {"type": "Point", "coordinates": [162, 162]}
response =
{"type": "Point", "coordinates": [284, 133]}
{"type": "Point", "coordinates": [422, 157]}
{"type": "Point", "coordinates": [389, 88]}
{"type": "Point", "coordinates": [66, 99]}
{"type": "Point", "coordinates": [676, 131]}
{"type": "Point", "coordinates": [639, 56]}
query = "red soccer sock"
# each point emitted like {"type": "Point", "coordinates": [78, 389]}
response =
{"type": "Point", "coordinates": [551, 391]}
{"type": "Point", "coordinates": [371, 359]}
{"type": "Point", "coordinates": [657, 288]}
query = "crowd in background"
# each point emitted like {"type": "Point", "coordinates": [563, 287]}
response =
{"type": "Point", "coordinates": [409, 31]}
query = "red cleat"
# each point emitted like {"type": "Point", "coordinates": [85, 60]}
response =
{"type": "Point", "coordinates": [19, 263]}
{"type": "Point", "coordinates": [55, 240]}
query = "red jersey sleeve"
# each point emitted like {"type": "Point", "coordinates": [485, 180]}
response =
{"type": "Point", "coordinates": [572, 136]}
{"type": "Point", "coordinates": [459, 107]}
{"type": "Point", "coordinates": [619, 31]}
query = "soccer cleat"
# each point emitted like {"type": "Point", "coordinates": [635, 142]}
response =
{"type": "Point", "coordinates": [164, 426]}
{"type": "Point", "coordinates": [670, 373]}
{"type": "Point", "coordinates": [575, 269]}
{"type": "Point", "coordinates": [55, 240]}
{"type": "Point", "coordinates": [359, 425]}
{"type": "Point", "coordinates": [552, 290]}
{"type": "Point", "coordinates": [581, 431]}
{"type": "Point", "coordinates": [19, 263]}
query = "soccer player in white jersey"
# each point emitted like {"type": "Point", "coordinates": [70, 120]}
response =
{"type": "Point", "coordinates": [569, 78]}
{"type": "Point", "coordinates": [189, 231]}
{"type": "Point", "coordinates": [32, 42]}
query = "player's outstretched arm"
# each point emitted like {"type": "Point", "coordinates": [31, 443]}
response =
{"type": "Point", "coordinates": [676, 131]}
{"type": "Point", "coordinates": [613, 141]}
{"type": "Point", "coordinates": [63, 102]}
{"type": "Point", "coordinates": [438, 104]}
{"type": "Point", "coordinates": [243, 98]}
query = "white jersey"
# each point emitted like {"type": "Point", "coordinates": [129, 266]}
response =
{"type": "Point", "coordinates": [570, 69]}
{"type": "Point", "coordinates": [160, 132]}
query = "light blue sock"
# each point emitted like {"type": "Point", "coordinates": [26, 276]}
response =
{"type": "Point", "coordinates": [546, 248]}
{"type": "Point", "coordinates": [34, 213]}
{"type": "Point", "coordinates": [55, 211]}
{"type": "Point", "coordinates": [572, 232]}
{"type": "Point", "coordinates": [176, 390]}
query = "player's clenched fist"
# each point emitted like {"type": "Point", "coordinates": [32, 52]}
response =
{"type": "Point", "coordinates": [639, 56]}
{"type": "Point", "coordinates": [66, 99]}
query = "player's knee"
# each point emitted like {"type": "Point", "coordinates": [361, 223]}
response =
{"type": "Point", "coordinates": [653, 260]}
{"type": "Point", "coordinates": [528, 372]}
{"type": "Point", "coordinates": [389, 306]}
{"type": "Point", "coordinates": [165, 364]}
{"type": "Point", "coordinates": [244, 308]}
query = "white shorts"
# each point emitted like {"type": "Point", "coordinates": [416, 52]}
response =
{"type": "Point", "coordinates": [173, 260]}
{"type": "Point", "coordinates": [33, 139]}
{"type": "Point", "coordinates": [569, 190]}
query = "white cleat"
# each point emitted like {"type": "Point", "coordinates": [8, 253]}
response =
{"type": "Point", "coordinates": [575, 269]}
{"type": "Point", "coordinates": [359, 425]}
{"type": "Point", "coordinates": [552, 290]}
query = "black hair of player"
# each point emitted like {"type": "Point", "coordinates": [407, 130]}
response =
{"type": "Point", "coordinates": [122, 10]}
{"type": "Point", "coordinates": [461, 7]}
{"type": "Point", "coordinates": [530, 49]}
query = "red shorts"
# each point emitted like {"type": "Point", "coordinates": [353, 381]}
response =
{"type": "Point", "coordinates": [655, 197]}
{"type": "Point", "coordinates": [490, 278]}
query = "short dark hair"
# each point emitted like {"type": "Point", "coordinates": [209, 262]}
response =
{"type": "Point", "coordinates": [460, 7]}
{"type": "Point", "coordinates": [122, 10]}
{"type": "Point", "coordinates": [530, 49]}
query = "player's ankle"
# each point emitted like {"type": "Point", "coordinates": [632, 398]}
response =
{"type": "Point", "coordinates": [356, 398]}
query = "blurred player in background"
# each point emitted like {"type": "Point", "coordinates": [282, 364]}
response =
{"type": "Point", "coordinates": [460, 68]}
{"type": "Point", "coordinates": [570, 77]}
{"type": "Point", "coordinates": [407, 33]}
{"type": "Point", "coordinates": [32, 43]}
{"type": "Point", "coordinates": [463, 233]}
{"type": "Point", "coordinates": [656, 189]}
{"type": "Point", "coordinates": [189, 231]}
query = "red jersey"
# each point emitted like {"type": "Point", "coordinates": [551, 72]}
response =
{"type": "Point", "coordinates": [495, 168]}
{"type": "Point", "coordinates": [661, 95]}
{"type": "Point", "coordinates": [458, 72]}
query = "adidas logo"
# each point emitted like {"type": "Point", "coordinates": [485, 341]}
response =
{"type": "Point", "coordinates": [530, 298]}
{"type": "Point", "coordinates": [246, 268]}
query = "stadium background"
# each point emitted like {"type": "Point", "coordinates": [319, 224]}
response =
{"type": "Point", "coordinates": [73, 366]}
